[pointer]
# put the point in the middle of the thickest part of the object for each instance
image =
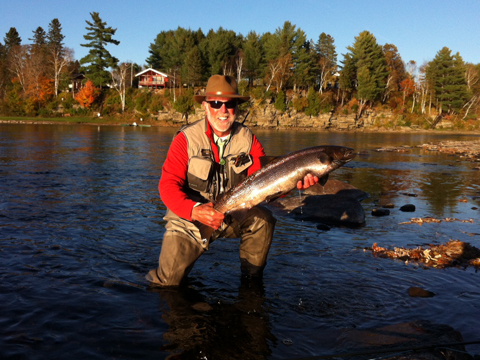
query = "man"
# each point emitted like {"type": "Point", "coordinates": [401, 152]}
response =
{"type": "Point", "coordinates": [205, 159]}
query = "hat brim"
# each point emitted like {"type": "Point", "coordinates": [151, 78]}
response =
{"type": "Point", "coordinates": [241, 99]}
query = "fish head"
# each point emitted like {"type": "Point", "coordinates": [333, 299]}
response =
{"type": "Point", "coordinates": [336, 156]}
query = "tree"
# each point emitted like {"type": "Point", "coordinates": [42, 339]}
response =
{"type": "Point", "coordinates": [39, 40]}
{"type": "Point", "coordinates": [99, 58]}
{"type": "Point", "coordinates": [395, 69]}
{"type": "Point", "coordinates": [87, 94]}
{"type": "Point", "coordinates": [3, 71]}
{"type": "Point", "coordinates": [447, 73]}
{"type": "Point", "coordinates": [279, 71]}
{"type": "Point", "coordinates": [59, 56]}
{"type": "Point", "coordinates": [289, 40]}
{"type": "Point", "coordinates": [193, 68]}
{"type": "Point", "coordinates": [254, 57]}
{"type": "Point", "coordinates": [326, 60]}
{"type": "Point", "coordinates": [11, 39]}
{"type": "Point", "coordinates": [313, 108]}
{"type": "Point", "coordinates": [18, 58]}
{"type": "Point", "coordinates": [119, 81]}
{"type": "Point", "coordinates": [219, 47]}
{"type": "Point", "coordinates": [369, 69]}
{"type": "Point", "coordinates": [347, 81]}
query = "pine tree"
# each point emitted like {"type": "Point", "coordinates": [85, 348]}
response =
{"type": "Point", "coordinates": [326, 60]}
{"type": "Point", "coordinates": [39, 37]}
{"type": "Point", "coordinates": [369, 63]}
{"type": "Point", "coordinates": [55, 36]}
{"type": "Point", "coordinates": [447, 73]}
{"type": "Point", "coordinates": [99, 59]}
{"type": "Point", "coordinates": [193, 68]}
{"type": "Point", "coordinates": [254, 57]}
{"type": "Point", "coordinates": [11, 39]}
{"type": "Point", "coordinates": [313, 108]}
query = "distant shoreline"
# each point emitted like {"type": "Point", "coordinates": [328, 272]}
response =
{"type": "Point", "coordinates": [156, 123]}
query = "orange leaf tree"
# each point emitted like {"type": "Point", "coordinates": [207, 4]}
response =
{"type": "Point", "coordinates": [87, 95]}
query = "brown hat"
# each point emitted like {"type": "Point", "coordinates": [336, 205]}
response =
{"type": "Point", "coordinates": [223, 86]}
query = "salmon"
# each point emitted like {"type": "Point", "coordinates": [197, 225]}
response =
{"type": "Point", "coordinates": [278, 178]}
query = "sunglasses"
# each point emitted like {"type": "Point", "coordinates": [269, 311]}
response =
{"type": "Point", "coordinates": [215, 104]}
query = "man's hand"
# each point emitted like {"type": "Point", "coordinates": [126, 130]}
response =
{"type": "Point", "coordinates": [308, 181]}
{"type": "Point", "coordinates": [207, 215]}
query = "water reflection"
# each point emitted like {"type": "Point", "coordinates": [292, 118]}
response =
{"type": "Point", "coordinates": [198, 329]}
{"type": "Point", "coordinates": [81, 223]}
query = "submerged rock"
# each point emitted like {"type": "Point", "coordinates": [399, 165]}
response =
{"type": "Point", "coordinates": [336, 187]}
{"type": "Point", "coordinates": [380, 212]}
{"type": "Point", "coordinates": [408, 208]}
{"type": "Point", "coordinates": [335, 204]}
{"type": "Point", "coordinates": [407, 341]}
{"type": "Point", "coordinates": [415, 291]}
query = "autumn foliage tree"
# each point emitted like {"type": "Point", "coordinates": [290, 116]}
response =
{"type": "Point", "coordinates": [87, 95]}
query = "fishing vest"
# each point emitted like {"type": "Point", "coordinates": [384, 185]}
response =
{"type": "Point", "coordinates": [206, 178]}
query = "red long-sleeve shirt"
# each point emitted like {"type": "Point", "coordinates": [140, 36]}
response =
{"type": "Point", "coordinates": [174, 173]}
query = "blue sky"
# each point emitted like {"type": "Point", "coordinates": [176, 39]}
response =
{"type": "Point", "coordinates": [418, 28]}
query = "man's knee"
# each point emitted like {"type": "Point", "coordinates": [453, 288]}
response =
{"type": "Point", "coordinates": [177, 257]}
{"type": "Point", "coordinates": [259, 218]}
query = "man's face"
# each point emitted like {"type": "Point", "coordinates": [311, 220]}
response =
{"type": "Point", "coordinates": [221, 113]}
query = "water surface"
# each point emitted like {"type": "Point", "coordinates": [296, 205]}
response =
{"type": "Point", "coordinates": [81, 224]}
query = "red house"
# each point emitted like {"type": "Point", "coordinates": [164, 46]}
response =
{"type": "Point", "coordinates": [152, 79]}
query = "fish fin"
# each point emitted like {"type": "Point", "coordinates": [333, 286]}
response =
{"type": "Point", "coordinates": [264, 160]}
{"type": "Point", "coordinates": [274, 197]}
{"type": "Point", "coordinates": [323, 180]}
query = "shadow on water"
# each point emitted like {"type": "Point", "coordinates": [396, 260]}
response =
{"type": "Point", "coordinates": [239, 328]}
{"type": "Point", "coordinates": [81, 224]}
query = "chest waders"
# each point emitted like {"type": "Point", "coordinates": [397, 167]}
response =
{"type": "Point", "coordinates": [206, 180]}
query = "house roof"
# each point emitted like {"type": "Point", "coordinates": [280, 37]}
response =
{"type": "Point", "coordinates": [150, 69]}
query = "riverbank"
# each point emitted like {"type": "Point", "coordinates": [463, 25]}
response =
{"type": "Point", "coordinates": [109, 121]}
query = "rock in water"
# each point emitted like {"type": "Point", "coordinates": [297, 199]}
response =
{"type": "Point", "coordinates": [415, 291]}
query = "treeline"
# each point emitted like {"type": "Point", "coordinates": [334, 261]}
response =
{"type": "Point", "coordinates": [298, 73]}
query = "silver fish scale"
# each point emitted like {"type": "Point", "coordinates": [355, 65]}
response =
{"type": "Point", "coordinates": [281, 176]}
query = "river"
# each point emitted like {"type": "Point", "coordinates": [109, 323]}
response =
{"type": "Point", "coordinates": [81, 224]}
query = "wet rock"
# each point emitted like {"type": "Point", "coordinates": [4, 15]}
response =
{"type": "Point", "coordinates": [408, 208]}
{"type": "Point", "coordinates": [409, 194]}
{"type": "Point", "coordinates": [380, 212]}
{"type": "Point", "coordinates": [363, 153]}
{"type": "Point", "coordinates": [331, 210]}
{"type": "Point", "coordinates": [335, 204]}
{"type": "Point", "coordinates": [415, 291]}
{"type": "Point", "coordinates": [323, 227]}
{"type": "Point", "coordinates": [333, 187]}
{"type": "Point", "coordinates": [388, 206]}
{"type": "Point", "coordinates": [413, 340]}
{"type": "Point", "coordinates": [202, 306]}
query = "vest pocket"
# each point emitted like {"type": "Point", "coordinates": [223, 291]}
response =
{"type": "Point", "coordinates": [237, 168]}
{"type": "Point", "coordinates": [200, 173]}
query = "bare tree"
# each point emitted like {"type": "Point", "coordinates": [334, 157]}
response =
{"type": "Point", "coordinates": [119, 81]}
{"type": "Point", "coordinates": [472, 75]}
{"type": "Point", "coordinates": [279, 71]}
{"type": "Point", "coordinates": [239, 57]}
{"type": "Point", "coordinates": [17, 63]}
{"type": "Point", "coordinates": [59, 59]}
